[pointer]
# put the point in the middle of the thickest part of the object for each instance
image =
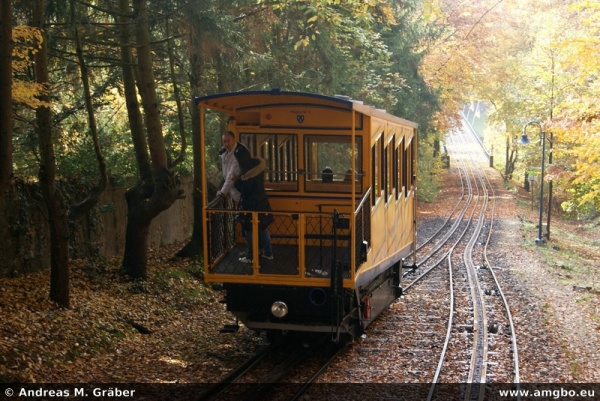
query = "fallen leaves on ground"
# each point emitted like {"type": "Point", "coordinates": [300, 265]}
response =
{"type": "Point", "coordinates": [117, 330]}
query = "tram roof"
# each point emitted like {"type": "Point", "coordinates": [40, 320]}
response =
{"type": "Point", "coordinates": [230, 102]}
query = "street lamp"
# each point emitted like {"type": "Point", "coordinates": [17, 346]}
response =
{"type": "Point", "coordinates": [525, 141]}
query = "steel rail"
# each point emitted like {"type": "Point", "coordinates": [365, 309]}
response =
{"type": "Point", "coordinates": [218, 388]}
{"type": "Point", "coordinates": [262, 387]}
{"type": "Point", "coordinates": [293, 360]}
{"type": "Point", "coordinates": [466, 257]}
{"type": "Point", "coordinates": [513, 335]}
{"type": "Point", "coordinates": [341, 349]}
{"type": "Point", "coordinates": [447, 237]}
{"type": "Point", "coordinates": [460, 173]}
{"type": "Point", "coordinates": [451, 307]}
{"type": "Point", "coordinates": [438, 371]}
{"type": "Point", "coordinates": [477, 370]}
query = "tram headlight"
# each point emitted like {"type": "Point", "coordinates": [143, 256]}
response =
{"type": "Point", "coordinates": [279, 309]}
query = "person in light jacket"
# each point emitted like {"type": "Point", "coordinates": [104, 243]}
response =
{"type": "Point", "coordinates": [229, 166]}
{"type": "Point", "coordinates": [251, 185]}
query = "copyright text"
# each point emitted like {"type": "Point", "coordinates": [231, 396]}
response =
{"type": "Point", "coordinates": [76, 392]}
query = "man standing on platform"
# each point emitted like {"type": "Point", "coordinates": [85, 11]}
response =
{"type": "Point", "coordinates": [229, 166]}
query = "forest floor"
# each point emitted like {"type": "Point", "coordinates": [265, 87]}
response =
{"type": "Point", "coordinates": [167, 329]}
{"type": "Point", "coordinates": [563, 276]}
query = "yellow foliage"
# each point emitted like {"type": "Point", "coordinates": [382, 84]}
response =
{"type": "Point", "coordinates": [27, 41]}
{"type": "Point", "coordinates": [579, 138]}
{"type": "Point", "coordinates": [26, 92]}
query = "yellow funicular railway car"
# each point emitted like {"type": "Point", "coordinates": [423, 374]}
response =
{"type": "Point", "coordinates": [340, 178]}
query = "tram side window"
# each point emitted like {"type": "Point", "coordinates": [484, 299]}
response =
{"type": "Point", "coordinates": [408, 178]}
{"type": "Point", "coordinates": [329, 163]}
{"type": "Point", "coordinates": [411, 177]}
{"type": "Point", "coordinates": [400, 168]}
{"type": "Point", "coordinates": [394, 165]}
{"type": "Point", "coordinates": [384, 176]}
{"type": "Point", "coordinates": [389, 163]}
{"type": "Point", "coordinates": [280, 152]}
{"type": "Point", "coordinates": [405, 170]}
{"type": "Point", "coordinates": [382, 169]}
{"type": "Point", "coordinates": [376, 170]}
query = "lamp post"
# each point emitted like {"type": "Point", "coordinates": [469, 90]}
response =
{"type": "Point", "coordinates": [525, 141]}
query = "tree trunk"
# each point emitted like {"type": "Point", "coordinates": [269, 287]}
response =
{"type": "Point", "coordinates": [144, 201]}
{"type": "Point", "coordinates": [181, 155]}
{"type": "Point", "coordinates": [511, 159]}
{"type": "Point", "coordinates": [133, 107]}
{"type": "Point", "coordinates": [57, 219]}
{"type": "Point", "coordinates": [79, 210]}
{"type": "Point", "coordinates": [194, 246]}
{"type": "Point", "coordinates": [507, 157]}
{"type": "Point", "coordinates": [136, 235]}
{"type": "Point", "coordinates": [141, 210]}
{"type": "Point", "coordinates": [147, 88]}
{"type": "Point", "coordinates": [6, 169]}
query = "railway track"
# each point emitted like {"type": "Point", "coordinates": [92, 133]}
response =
{"type": "Point", "coordinates": [478, 313]}
{"type": "Point", "coordinates": [451, 231]}
{"type": "Point", "coordinates": [284, 371]}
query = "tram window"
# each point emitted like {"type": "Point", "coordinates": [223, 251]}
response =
{"type": "Point", "coordinates": [280, 152]}
{"type": "Point", "coordinates": [374, 173]}
{"type": "Point", "coordinates": [411, 164]}
{"type": "Point", "coordinates": [333, 152]}
{"type": "Point", "coordinates": [384, 164]}
{"type": "Point", "coordinates": [389, 163]}
{"type": "Point", "coordinates": [400, 163]}
{"type": "Point", "coordinates": [394, 165]}
{"type": "Point", "coordinates": [413, 154]}
{"type": "Point", "coordinates": [405, 170]}
{"type": "Point", "coordinates": [376, 169]}
{"type": "Point", "coordinates": [382, 175]}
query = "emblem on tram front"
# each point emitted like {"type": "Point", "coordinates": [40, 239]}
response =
{"type": "Point", "coordinates": [300, 118]}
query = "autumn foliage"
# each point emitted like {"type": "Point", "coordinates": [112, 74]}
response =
{"type": "Point", "coordinates": [528, 61]}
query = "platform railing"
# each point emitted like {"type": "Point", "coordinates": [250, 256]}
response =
{"type": "Point", "coordinates": [362, 222]}
{"type": "Point", "coordinates": [304, 244]}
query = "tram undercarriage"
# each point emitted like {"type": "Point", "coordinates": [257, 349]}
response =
{"type": "Point", "coordinates": [333, 309]}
